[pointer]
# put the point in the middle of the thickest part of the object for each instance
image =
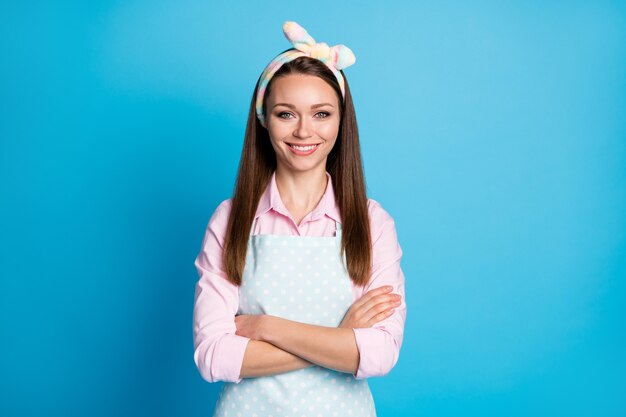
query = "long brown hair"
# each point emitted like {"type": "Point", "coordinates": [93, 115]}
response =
{"type": "Point", "coordinates": [258, 162]}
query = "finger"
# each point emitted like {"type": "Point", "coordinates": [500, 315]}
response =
{"type": "Point", "coordinates": [380, 308]}
{"type": "Point", "coordinates": [379, 299]}
{"type": "Point", "coordinates": [380, 317]}
{"type": "Point", "coordinates": [372, 293]}
{"type": "Point", "coordinates": [363, 313]}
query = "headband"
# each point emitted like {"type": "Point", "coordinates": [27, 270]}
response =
{"type": "Point", "coordinates": [336, 58]}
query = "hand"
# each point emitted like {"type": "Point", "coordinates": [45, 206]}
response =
{"type": "Point", "coordinates": [250, 325]}
{"type": "Point", "coordinates": [374, 306]}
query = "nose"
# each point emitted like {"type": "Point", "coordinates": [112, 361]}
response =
{"type": "Point", "coordinates": [303, 129]}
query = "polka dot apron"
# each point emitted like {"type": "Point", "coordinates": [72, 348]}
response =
{"type": "Point", "coordinates": [301, 278]}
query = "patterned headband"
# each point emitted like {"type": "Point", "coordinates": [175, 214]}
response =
{"type": "Point", "coordinates": [336, 58]}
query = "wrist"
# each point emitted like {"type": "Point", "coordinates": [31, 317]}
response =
{"type": "Point", "coordinates": [265, 327]}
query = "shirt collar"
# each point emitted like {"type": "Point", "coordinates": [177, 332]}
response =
{"type": "Point", "coordinates": [270, 199]}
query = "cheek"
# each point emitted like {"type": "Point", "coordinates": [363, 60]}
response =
{"type": "Point", "coordinates": [328, 131]}
{"type": "Point", "coordinates": [277, 133]}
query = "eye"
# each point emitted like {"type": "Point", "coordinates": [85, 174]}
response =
{"type": "Point", "coordinates": [324, 114]}
{"type": "Point", "coordinates": [280, 115]}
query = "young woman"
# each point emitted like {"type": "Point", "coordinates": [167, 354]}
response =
{"type": "Point", "coordinates": [301, 295]}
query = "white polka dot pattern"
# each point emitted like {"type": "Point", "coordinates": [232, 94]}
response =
{"type": "Point", "coordinates": [301, 278]}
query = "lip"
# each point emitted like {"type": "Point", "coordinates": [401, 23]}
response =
{"type": "Point", "coordinates": [303, 153]}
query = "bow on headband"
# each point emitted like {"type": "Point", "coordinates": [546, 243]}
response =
{"type": "Point", "coordinates": [336, 58]}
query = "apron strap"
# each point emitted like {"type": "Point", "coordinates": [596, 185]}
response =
{"type": "Point", "coordinates": [253, 224]}
{"type": "Point", "coordinates": [338, 236]}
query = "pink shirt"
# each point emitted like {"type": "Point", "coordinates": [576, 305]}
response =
{"type": "Point", "coordinates": [218, 351]}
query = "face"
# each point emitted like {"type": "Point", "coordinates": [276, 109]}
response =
{"type": "Point", "coordinates": [303, 121]}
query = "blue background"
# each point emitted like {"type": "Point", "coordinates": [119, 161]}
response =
{"type": "Point", "coordinates": [494, 134]}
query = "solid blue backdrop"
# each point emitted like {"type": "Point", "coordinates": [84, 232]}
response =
{"type": "Point", "coordinates": [493, 133]}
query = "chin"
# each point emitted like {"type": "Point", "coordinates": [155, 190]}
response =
{"type": "Point", "coordinates": [303, 167]}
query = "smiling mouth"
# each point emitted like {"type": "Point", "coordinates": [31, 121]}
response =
{"type": "Point", "coordinates": [304, 148]}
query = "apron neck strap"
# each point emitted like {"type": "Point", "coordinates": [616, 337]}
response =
{"type": "Point", "coordinates": [253, 224]}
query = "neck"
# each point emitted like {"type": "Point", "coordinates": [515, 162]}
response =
{"type": "Point", "coordinates": [301, 190]}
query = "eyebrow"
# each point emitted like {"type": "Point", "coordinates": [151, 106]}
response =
{"type": "Point", "coordinates": [291, 106]}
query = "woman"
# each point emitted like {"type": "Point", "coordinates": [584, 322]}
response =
{"type": "Point", "coordinates": [301, 295]}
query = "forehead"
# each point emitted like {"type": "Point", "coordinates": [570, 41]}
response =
{"type": "Point", "coordinates": [302, 89]}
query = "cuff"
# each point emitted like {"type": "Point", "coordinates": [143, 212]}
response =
{"type": "Point", "coordinates": [373, 345]}
{"type": "Point", "coordinates": [228, 358]}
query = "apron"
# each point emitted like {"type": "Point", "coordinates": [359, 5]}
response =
{"type": "Point", "coordinates": [300, 278]}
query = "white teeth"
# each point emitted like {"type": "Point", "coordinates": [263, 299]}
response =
{"type": "Point", "coordinates": [303, 148]}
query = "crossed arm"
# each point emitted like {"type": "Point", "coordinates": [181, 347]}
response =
{"type": "Point", "coordinates": [280, 345]}
{"type": "Point", "coordinates": [263, 358]}
{"type": "Point", "coordinates": [228, 347]}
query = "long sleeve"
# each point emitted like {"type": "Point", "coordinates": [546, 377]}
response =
{"type": "Point", "coordinates": [379, 345]}
{"type": "Point", "coordinates": [218, 351]}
